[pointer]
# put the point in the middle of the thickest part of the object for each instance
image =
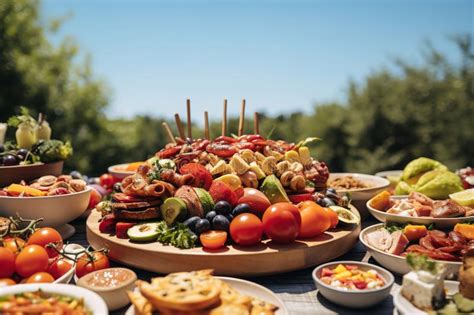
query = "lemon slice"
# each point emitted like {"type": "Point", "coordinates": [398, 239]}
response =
{"type": "Point", "coordinates": [230, 179]}
{"type": "Point", "coordinates": [464, 197]}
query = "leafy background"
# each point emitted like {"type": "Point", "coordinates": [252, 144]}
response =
{"type": "Point", "coordinates": [395, 115]}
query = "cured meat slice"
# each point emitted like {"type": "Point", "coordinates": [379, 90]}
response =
{"type": "Point", "coordinates": [151, 213]}
{"type": "Point", "coordinates": [191, 199]}
{"type": "Point", "coordinates": [380, 239]}
{"type": "Point", "coordinates": [447, 209]}
{"type": "Point", "coordinates": [135, 205]}
{"type": "Point", "coordinates": [399, 242]}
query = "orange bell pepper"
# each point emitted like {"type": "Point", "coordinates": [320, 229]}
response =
{"type": "Point", "coordinates": [466, 230]}
{"type": "Point", "coordinates": [16, 190]}
{"type": "Point", "coordinates": [381, 201]}
{"type": "Point", "coordinates": [415, 232]}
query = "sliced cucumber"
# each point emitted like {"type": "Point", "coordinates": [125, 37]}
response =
{"type": "Point", "coordinates": [173, 209]}
{"type": "Point", "coordinates": [345, 215]}
{"type": "Point", "coordinates": [145, 232]}
{"type": "Point", "coordinates": [205, 199]}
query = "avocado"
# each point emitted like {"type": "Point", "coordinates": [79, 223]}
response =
{"type": "Point", "coordinates": [145, 232]}
{"type": "Point", "coordinates": [416, 168]}
{"type": "Point", "coordinates": [173, 209]}
{"type": "Point", "coordinates": [205, 198]}
{"type": "Point", "coordinates": [438, 184]}
{"type": "Point", "coordinates": [345, 216]}
{"type": "Point", "coordinates": [273, 189]}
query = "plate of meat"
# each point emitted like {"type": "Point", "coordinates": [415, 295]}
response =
{"type": "Point", "coordinates": [418, 209]}
{"type": "Point", "coordinates": [389, 244]}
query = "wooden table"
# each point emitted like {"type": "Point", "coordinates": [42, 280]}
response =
{"type": "Point", "coordinates": [296, 288]}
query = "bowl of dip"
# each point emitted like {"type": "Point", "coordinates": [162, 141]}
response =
{"type": "Point", "coordinates": [111, 284]}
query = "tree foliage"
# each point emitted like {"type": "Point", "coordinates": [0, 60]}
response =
{"type": "Point", "coordinates": [388, 119]}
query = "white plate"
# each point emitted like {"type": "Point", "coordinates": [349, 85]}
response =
{"type": "Point", "coordinates": [442, 223]}
{"type": "Point", "coordinates": [119, 171]}
{"type": "Point", "coordinates": [397, 263]}
{"type": "Point", "coordinates": [92, 300]}
{"type": "Point", "coordinates": [67, 277]}
{"type": "Point", "coordinates": [250, 289]}
{"type": "Point", "coordinates": [404, 307]}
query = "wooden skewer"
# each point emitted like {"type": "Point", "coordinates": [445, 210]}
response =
{"type": "Point", "coordinates": [242, 118]}
{"type": "Point", "coordinates": [206, 125]}
{"type": "Point", "coordinates": [256, 129]}
{"type": "Point", "coordinates": [180, 126]}
{"type": "Point", "coordinates": [224, 119]}
{"type": "Point", "coordinates": [188, 109]}
{"type": "Point", "coordinates": [169, 132]}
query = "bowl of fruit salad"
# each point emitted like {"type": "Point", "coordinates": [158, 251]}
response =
{"type": "Point", "coordinates": [353, 284]}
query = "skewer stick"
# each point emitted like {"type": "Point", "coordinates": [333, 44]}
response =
{"type": "Point", "coordinates": [169, 132]}
{"type": "Point", "coordinates": [180, 126]}
{"type": "Point", "coordinates": [188, 109]}
{"type": "Point", "coordinates": [224, 119]}
{"type": "Point", "coordinates": [242, 118]}
{"type": "Point", "coordinates": [206, 125]}
{"type": "Point", "coordinates": [256, 123]}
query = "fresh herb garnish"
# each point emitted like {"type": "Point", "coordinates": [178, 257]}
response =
{"type": "Point", "coordinates": [178, 235]}
{"type": "Point", "coordinates": [391, 228]}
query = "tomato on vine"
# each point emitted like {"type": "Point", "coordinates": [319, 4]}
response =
{"type": "Point", "coordinates": [89, 262]}
{"type": "Point", "coordinates": [45, 236]}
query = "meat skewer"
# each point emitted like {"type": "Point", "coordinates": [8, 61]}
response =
{"type": "Point", "coordinates": [242, 118]}
{"type": "Point", "coordinates": [206, 125]}
{"type": "Point", "coordinates": [169, 132]}
{"type": "Point", "coordinates": [180, 126]}
{"type": "Point", "coordinates": [224, 119]}
{"type": "Point", "coordinates": [188, 109]}
{"type": "Point", "coordinates": [256, 129]}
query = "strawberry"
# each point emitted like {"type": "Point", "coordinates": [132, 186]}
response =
{"type": "Point", "coordinates": [121, 229]}
{"type": "Point", "coordinates": [221, 191]}
{"type": "Point", "coordinates": [107, 225]}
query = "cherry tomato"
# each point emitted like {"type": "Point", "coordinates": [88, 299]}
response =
{"type": "Point", "coordinates": [7, 263]}
{"type": "Point", "coordinates": [221, 191]}
{"type": "Point", "coordinates": [202, 177]}
{"type": "Point", "coordinates": [14, 244]}
{"type": "Point", "coordinates": [246, 229]}
{"type": "Point", "coordinates": [86, 264]}
{"type": "Point", "coordinates": [256, 199]}
{"type": "Point", "coordinates": [213, 239]}
{"type": "Point", "coordinates": [106, 180]}
{"type": "Point", "coordinates": [45, 236]}
{"type": "Point", "coordinates": [282, 222]}
{"type": "Point", "coordinates": [314, 220]}
{"type": "Point", "coordinates": [95, 198]}
{"type": "Point", "coordinates": [59, 267]}
{"type": "Point", "coordinates": [40, 277]}
{"type": "Point", "coordinates": [32, 259]}
{"type": "Point", "coordinates": [5, 282]}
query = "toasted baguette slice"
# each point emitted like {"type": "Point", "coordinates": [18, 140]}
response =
{"type": "Point", "coordinates": [229, 295]}
{"type": "Point", "coordinates": [140, 303]}
{"type": "Point", "coordinates": [230, 309]}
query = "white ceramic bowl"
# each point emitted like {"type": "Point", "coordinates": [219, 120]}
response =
{"type": "Point", "coordinates": [362, 195]}
{"type": "Point", "coordinates": [92, 301]}
{"type": "Point", "coordinates": [354, 298]}
{"type": "Point", "coordinates": [442, 223]}
{"type": "Point", "coordinates": [115, 297]}
{"type": "Point", "coordinates": [119, 171]}
{"type": "Point", "coordinates": [56, 211]}
{"type": "Point", "coordinates": [397, 263]}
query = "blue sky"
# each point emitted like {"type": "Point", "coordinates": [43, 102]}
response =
{"type": "Point", "coordinates": [281, 56]}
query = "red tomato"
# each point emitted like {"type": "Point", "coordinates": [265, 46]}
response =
{"type": "Point", "coordinates": [86, 264]}
{"type": "Point", "coordinates": [59, 267]}
{"type": "Point", "coordinates": [314, 220]}
{"type": "Point", "coordinates": [5, 282]}
{"type": "Point", "coordinates": [106, 180]}
{"type": "Point", "coordinates": [32, 259]}
{"type": "Point", "coordinates": [14, 244]}
{"type": "Point", "coordinates": [202, 177]}
{"type": "Point", "coordinates": [95, 198]}
{"type": "Point", "coordinates": [256, 200]}
{"type": "Point", "coordinates": [121, 229]}
{"type": "Point", "coordinates": [7, 263]}
{"type": "Point", "coordinates": [246, 229]}
{"type": "Point", "coordinates": [45, 236]}
{"type": "Point", "coordinates": [282, 222]}
{"type": "Point", "coordinates": [40, 277]}
{"type": "Point", "coordinates": [300, 197]}
{"type": "Point", "coordinates": [221, 191]}
{"type": "Point", "coordinates": [213, 239]}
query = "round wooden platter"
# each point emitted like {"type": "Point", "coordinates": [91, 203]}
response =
{"type": "Point", "coordinates": [264, 259]}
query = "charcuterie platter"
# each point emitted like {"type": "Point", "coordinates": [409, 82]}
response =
{"type": "Point", "coordinates": [263, 259]}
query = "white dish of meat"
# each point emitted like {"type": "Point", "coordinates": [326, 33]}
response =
{"type": "Point", "coordinates": [389, 249]}
{"type": "Point", "coordinates": [420, 209]}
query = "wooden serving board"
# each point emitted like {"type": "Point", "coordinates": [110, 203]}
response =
{"type": "Point", "coordinates": [263, 259]}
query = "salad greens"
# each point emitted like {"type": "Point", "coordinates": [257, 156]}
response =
{"type": "Point", "coordinates": [178, 235]}
{"type": "Point", "coordinates": [52, 150]}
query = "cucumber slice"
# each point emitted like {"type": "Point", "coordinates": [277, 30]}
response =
{"type": "Point", "coordinates": [205, 198]}
{"type": "Point", "coordinates": [173, 209]}
{"type": "Point", "coordinates": [145, 232]}
{"type": "Point", "coordinates": [345, 215]}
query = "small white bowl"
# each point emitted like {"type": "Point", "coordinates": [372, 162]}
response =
{"type": "Point", "coordinates": [441, 223]}
{"type": "Point", "coordinates": [362, 195]}
{"type": "Point", "coordinates": [119, 171]}
{"type": "Point", "coordinates": [92, 301]}
{"type": "Point", "coordinates": [397, 263]}
{"type": "Point", "coordinates": [354, 298]}
{"type": "Point", "coordinates": [115, 297]}
{"type": "Point", "coordinates": [56, 211]}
